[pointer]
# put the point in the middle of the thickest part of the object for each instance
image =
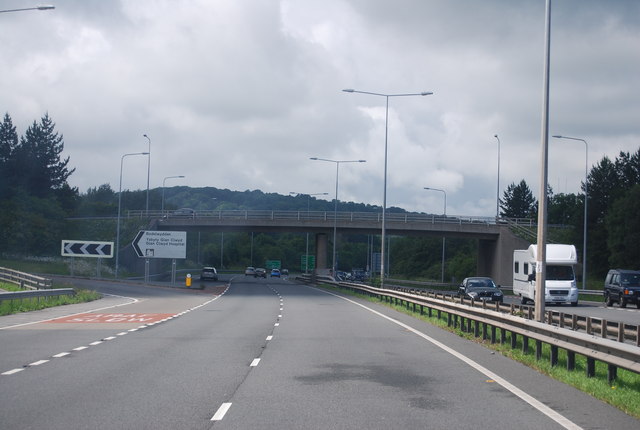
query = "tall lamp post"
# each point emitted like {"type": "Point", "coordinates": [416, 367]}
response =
{"type": "Point", "coordinates": [335, 209]}
{"type": "Point", "coordinates": [498, 186]}
{"type": "Point", "coordinates": [306, 255]}
{"type": "Point", "coordinates": [148, 171]}
{"type": "Point", "coordinates": [443, 239]}
{"type": "Point", "coordinates": [119, 209]}
{"type": "Point", "coordinates": [384, 193]}
{"type": "Point", "coordinates": [163, 182]}
{"type": "Point", "coordinates": [40, 7]}
{"type": "Point", "coordinates": [584, 232]}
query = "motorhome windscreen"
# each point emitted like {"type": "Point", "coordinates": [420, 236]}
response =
{"type": "Point", "coordinates": [560, 273]}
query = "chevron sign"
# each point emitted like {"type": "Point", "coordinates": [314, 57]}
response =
{"type": "Point", "coordinates": [78, 248]}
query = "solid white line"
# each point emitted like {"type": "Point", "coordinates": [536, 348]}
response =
{"type": "Point", "coordinates": [62, 354]}
{"type": "Point", "coordinates": [39, 362]}
{"type": "Point", "coordinates": [255, 362]}
{"type": "Point", "coordinates": [555, 416]}
{"type": "Point", "coordinates": [221, 412]}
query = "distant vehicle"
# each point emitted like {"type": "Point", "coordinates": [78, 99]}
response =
{"type": "Point", "coordinates": [560, 285]}
{"type": "Point", "coordinates": [250, 271]}
{"type": "Point", "coordinates": [209, 273]}
{"type": "Point", "coordinates": [260, 273]}
{"type": "Point", "coordinates": [480, 288]}
{"type": "Point", "coordinates": [275, 273]}
{"type": "Point", "coordinates": [358, 275]}
{"type": "Point", "coordinates": [188, 212]}
{"type": "Point", "coordinates": [284, 272]}
{"type": "Point", "coordinates": [622, 287]}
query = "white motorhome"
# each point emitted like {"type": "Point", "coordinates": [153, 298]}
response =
{"type": "Point", "coordinates": [560, 286]}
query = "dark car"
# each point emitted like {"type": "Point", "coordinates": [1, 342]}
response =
{"type": "Point", "coordinates": [480, 288]}
{"type": "Point", "coordinates": [260, 273]}
{"type": "Point", "coordinates": [209, 273]}
{"type": "Point", "coordinates": [622, 286]}
{"type": "Point", "coordinates": [184, 212]}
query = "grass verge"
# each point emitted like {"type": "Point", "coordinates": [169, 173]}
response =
{"type": "Point", "coordinates": [623, 393]}
{"type": "Point", "coordinates": [8, 307]}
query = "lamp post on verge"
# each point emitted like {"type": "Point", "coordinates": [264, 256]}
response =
{"type": "Point", "coordinates": [541, 257]}
{"type": "Point", "coordinates": [335, 209]}
{"type": "Point", "coordinates": [584, 232]}
{"type": "Point", "coordinates": [445, 216]}
{"type": "Point", "coordinates": [163, 182]}
{"type": "Point", "coordinates": [498, 186]}
{"type": "Point", "coordinates": [40, 7]}
{"type": "Point", "coordinates": [119, 210]}
{"type": "Point", "coordinates": [384, 193]}
{"type": "Point", "coordinates": [148, 171]}
{"type": "Point", "coordinates": [306, 255]}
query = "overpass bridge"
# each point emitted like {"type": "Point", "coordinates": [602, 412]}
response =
{"type": "Point", "coordinates": [496, 240]}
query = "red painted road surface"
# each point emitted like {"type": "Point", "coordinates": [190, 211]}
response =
{"type": "Point", "coordinates": [112, 318]}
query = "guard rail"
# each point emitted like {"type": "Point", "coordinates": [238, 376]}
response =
{"type": "Point", "coordinates": [29, 294]}
{"type": "Point", "coordinates": [24, 280]}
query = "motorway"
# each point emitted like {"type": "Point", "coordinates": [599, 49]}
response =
{"type": "Point", "coordinates": [265, 354]}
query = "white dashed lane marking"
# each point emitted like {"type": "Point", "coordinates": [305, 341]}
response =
{"type": "Point", "coordinates": [81, 348]}
{"type": "Point", "coordinates": [221, 412]}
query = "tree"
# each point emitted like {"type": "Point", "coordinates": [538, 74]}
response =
{"type": "Point", "coordinates": [566, 209]}
{"type": "Point", "coordinates": [518, 201]}
{"type": "Point", "coordinates": [623, 228]}
{"type": "Point", "coordinates": [8, 144]}
{"type": "Point", "coordinates": [628, 169]}
{"type": "Point", "coordinates": [42, 171]}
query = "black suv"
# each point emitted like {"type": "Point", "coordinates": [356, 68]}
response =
{"type": "Point", "coordinates": [622, 286]}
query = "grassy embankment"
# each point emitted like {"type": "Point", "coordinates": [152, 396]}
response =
{"type": "Point", "coordinates": [623, 393]}
{"type": "Point", "coordinates": [8, 307]}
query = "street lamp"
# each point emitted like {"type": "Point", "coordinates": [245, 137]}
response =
{"type": "Point", "coordinates": [584, 232]}
{"type": "Point", "coordinates": [306, 255]}
{"type": "Point", "coordinates": [498, 187]}
{"type": "Point", "coordinates": [40, 7]}
{"type": "Point", "coordinates": [384, 193]}
{"type": "Point", "coordinates": [148, 171]}
{"type": "Point", "coordinates": [335, 209]}
{"type": "Point", "coordinates": [119, 209]}
{"type": "Point", "coordinates": [445, 216]}
{"type": "Point", "coordinates": [163, 181]}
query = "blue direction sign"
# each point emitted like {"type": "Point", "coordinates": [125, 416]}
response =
{"type": "Point", "coordinates": [81, 248]}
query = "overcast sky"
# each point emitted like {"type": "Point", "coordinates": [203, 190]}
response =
{"type": "Point", "coordinates": [239, 94]}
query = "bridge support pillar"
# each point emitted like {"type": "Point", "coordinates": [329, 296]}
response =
{"type": "Point", "coordinates": [321, 251]}
{"type": "Point", "coordinates": [495, 257]}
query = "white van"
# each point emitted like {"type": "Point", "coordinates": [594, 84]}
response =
{"type": "Point", "coordinates": [560, 277]}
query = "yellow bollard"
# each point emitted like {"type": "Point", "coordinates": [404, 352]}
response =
{"type": "Point", "coordinates": [188, 280]}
